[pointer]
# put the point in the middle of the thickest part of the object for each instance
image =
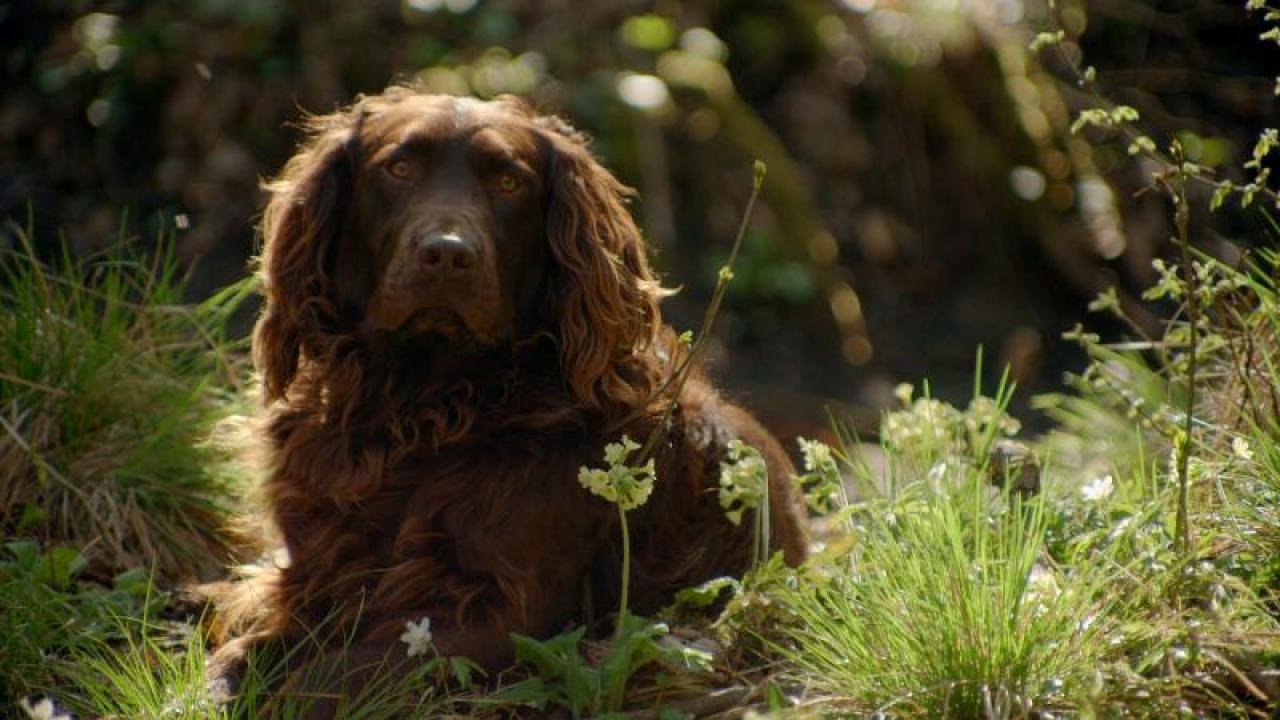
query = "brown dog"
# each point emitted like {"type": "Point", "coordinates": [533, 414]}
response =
{"type": "Point", "coordinates": [459, 314]}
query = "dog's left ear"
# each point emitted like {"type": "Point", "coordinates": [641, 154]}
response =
{"type": "Point", "coordinates": [605, 294]}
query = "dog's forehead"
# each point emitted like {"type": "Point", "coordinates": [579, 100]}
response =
{"type": "Point", "coordinates": [437, 118]}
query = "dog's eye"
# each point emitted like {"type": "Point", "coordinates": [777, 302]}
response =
{"type": "Point", "coordinates": [507, 183]}
{"type": "Point", "coordinates": [399, 169]}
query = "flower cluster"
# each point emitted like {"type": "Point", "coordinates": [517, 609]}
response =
{"type": "Point", "coordinates": [923, 424]}
{"type": "Point", "coordinates": [620, 483]}
{"type": "Point", "coordinates": [984, 413]}
{"type": "Point", "coordinates": [744, 481]}
{"type": "Point", "coordinates": [927, 426]}
{"type": "Point", "coordinates": [822, 476]}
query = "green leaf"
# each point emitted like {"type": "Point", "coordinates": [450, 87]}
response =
{"type": "Point", "coordinates": [636, 647]}
{"type": "Point", "coordinates": [25, 553]}
{"type": "Point", "coordinates": [59, 565]}
{"type": "Point", "coordinates": [33, 515]}
{"type": "Point", "coordinates": [134, 582]}
{"type": "Point", "coordinates": [561, 666]}
{"type": "Point", "coordinates": [706, 594]}
{"type": "Point", "coordinates": [549, 657]}
{"type": "Point", "coordinates": [464, 671]}
{"type": "Point", "coordinates": [1221, 194]}
{"type": "Point", "coordinates": [773, 697]}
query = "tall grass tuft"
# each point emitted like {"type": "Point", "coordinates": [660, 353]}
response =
{"type": "Point", "coordinates": [109, 387]}
{"type": "Point", "coordinates": [949, 608]}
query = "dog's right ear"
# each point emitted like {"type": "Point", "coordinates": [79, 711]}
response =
{"type": "Point", "coordinates": [301, 231]}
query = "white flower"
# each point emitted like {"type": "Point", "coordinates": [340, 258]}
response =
{"type": "Point", "coordinates": [42, 710]}
{"type": "Point", "coordinates": [1041, 584]}
{"type": "Point", "coordinates": [417, 636]}
{"type": "Point", "coordinates": [1098, 490]}
{"type": "Point", "coordinates": [1241, 448]}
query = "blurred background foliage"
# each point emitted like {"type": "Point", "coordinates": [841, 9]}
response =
{"type": "Point", "coordinates": [925, 194]}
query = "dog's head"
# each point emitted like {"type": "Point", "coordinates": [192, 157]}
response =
{"type": "Point", "coordinates": [457, 225]}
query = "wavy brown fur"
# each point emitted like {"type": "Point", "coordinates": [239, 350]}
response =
{"type": "Point", "coordinates": [413, 478]}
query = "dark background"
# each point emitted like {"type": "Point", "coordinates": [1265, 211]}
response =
{"type": "Point", "coordinates": [925, 196]}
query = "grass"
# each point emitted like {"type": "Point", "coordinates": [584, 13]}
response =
{"type": "Point", "coordinates": [140, 677]}
{"type": "Point", "coordinates": [109, 388]}
{"type": "Point", "coordinates": [949, 608]}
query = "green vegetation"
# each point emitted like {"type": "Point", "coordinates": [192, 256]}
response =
{"type": "Point", "coordinates": [1138, 577]}
{"type": "Point", "coordinates": [110, 388]}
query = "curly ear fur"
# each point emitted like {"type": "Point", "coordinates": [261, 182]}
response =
{"type": "Point", "coordinates": [301, 229]}
{"type": "Point", "coordinates": [607, 295]}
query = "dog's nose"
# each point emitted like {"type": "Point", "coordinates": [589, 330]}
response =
{"type": "Point", "coordinates": [447, 252]}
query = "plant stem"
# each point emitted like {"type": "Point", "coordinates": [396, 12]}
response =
{"type": "Point", "coordinates": [626, 575]}
{"type": "Point", "coordinates": [613, 703]}
{"type": "Point", "coordinates": [1182, 528]}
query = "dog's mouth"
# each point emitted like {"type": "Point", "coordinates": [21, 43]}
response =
{"type": "Point", "coordinates": [437, 321]}
{"type": "Point", "coordinates": [439, 324]}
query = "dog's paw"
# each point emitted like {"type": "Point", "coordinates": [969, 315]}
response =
{"type": "Point", "coordinates": [225, 671]}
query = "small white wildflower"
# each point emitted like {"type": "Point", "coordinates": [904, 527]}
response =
{"type": "Point", "coordinates": [1240, 447]}
{"type": "Point", "coordinates": [1041, 584]}
{"type": "Point", "coordinates": [417, 636]}
{"type": "Point", "coordinates": [43, 709]}
{"type": "Point", "coordinates": [1099, 489]}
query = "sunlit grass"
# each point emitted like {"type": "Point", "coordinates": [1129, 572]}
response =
{"type": "Point", "coordinates": [109, 389]}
